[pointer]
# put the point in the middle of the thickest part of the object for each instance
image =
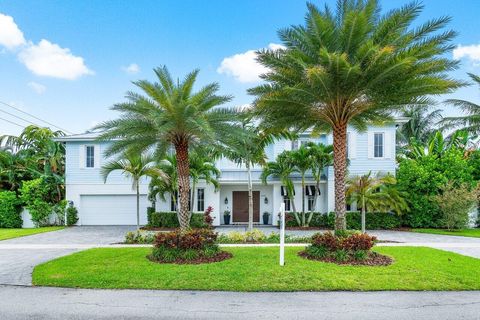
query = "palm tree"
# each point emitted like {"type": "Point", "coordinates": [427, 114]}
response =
{"type": "Point", "coordinates": [469, 122]}
{"type": "Point", "coordinates": [134, 166]}
{"type": "Point", "coordinates": [375, 193]}
{"type": "Point", "coordinates": [161, 187]}
{"type": "Point", "coordinates": [249, 149]}
{"type": "Point", "coordinates": [420, 126]}
{"type": "Point", "coordinates": [322, 157]}
{"type": "Point", "coordinates": [302, 162]}
{"type": "Point", "coordinates": [282, 168]}
{"type": "Point", "coordinates": [202, 169]}
{"type": "Point", "coordinates": [170, 114]}
{"type": "Point", "coordinates": [352, 66]}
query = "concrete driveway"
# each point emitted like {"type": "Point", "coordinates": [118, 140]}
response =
{"type": "Point", "coordinates": [19, 256]}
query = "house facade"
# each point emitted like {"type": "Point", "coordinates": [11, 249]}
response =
{"type": "Point", "coordinates": [114, 202]}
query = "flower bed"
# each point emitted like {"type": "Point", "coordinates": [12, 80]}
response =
{"type": "Point", "coordinates": [347, 248]}
{"type": "Point", "coordinates": [190, 247]}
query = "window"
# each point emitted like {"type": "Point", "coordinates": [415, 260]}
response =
{"type": "Point", "coordinates": [349, 207]}
{"type": "Point", "coordinates": [378, 145]}
{"type": "Point", "coordinates": [200, 199]}
{"type": "Point", "coordinates": [287, 202]}
{"type": "Point", "coordinates": [173, 202]}
{"type": "Point", "coordinates": [310, 203]}
{"type": "Point", "coordinates": [294, 144]}
{"type": "Point", "coordinates": [90, 156]}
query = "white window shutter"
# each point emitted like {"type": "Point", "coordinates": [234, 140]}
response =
{"type": "Point", "coordinates": [370, 145]}
{"type": "Point", "coordinates": [352, 145]}
{"type": "Point", "coordinates": [81, 158]}
{"type": "Point", "coordinates": [387, 137]}
{"type": "Point", "coordinates": [97, 156]}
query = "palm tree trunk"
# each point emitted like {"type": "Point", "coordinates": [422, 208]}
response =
{"type": "Point", "coordinates": [363, 214]}
{"type": "Point", "coordinates": [138, 206]}
{"type": "Point", "coordinates": [192, 200]}
{"type": "Point", "coordinates": [317, 195]}
{"type": "Point", "coordinates": [303, 200]}
{"type": "Point", "coordinates": [181, 152]}
{"type": "Point", "coordinates": [340, 168]}
{"type": "Point", "coordinates": [250, 197]}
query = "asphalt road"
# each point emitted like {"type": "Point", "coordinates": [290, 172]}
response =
{"type": "Point", "coordinates": [23, 302]}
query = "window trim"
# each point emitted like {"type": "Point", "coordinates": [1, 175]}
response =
{"type": "Point", "coordinates": [286, 200]}
{"type": "Point", "coordinates": [202, 199]}
{"type": "Point", "coordinates": [382, 134]}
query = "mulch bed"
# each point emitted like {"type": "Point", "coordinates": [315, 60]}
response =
{"type": "Point", "coordinates": [374, 259]}
{"type": "Point", "coordinates": [222, 255]}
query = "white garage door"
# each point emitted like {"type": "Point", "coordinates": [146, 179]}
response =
{"type": "Point", "coordinates": [112, 210]}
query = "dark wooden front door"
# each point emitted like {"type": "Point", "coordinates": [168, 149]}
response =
{"type": "Point", "coordinates": [240, 206]}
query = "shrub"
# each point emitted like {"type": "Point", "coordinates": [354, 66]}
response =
{"type": "Point", "coordinates": [422, 180]}
{"type": "Point", "coordinates": [169, 219]}
{"type": "Point", "coordinates": [455, 204]}
{"type": "Point", "coordinates": [10, 210]}
{"type": "Point", "coordinates": [72, 216]}
{"type": "Point", "coordinates": [59, 210]}
{"type": "Point", "coordinates": [189, 245]}
{"type": "Point", "coordinates": [35, 194]}
{"type": "Point", "coordinates": [141, 237]}
{"type": "Point", "coordinates": [349, 245]}
{"type": "Point", "coordinates": [207, 217]}
{"type": "Point", "coordinates": [374, 220]}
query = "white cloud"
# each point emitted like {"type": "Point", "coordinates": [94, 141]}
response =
{"type": "Point", "coordinates": [50, 60]}
{"type": "Point", "coordinates": [243, 66]}
{"type": "Point", "coordinates": [133, 68]}
{"type": "Point", "coordinates": [10, 35]}
{"type": "Point", "coordinates": [37, 87]}
{"type": "Point", "coordinates": [471, 52]}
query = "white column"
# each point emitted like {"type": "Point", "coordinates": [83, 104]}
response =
{"type": "Point", "coordinates": [330, 190]}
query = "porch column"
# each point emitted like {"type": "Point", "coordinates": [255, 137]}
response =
{"type": "Point", "coordinates": [212, 198]}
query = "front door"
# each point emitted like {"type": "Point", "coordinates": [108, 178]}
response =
{"type": "Point", "coordinates": [240, 206]}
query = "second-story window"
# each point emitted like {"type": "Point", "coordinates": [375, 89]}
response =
{"type": "Point", "coordinates": [378, 145]}
{"type": "Point", "coordinates": [90, 156]}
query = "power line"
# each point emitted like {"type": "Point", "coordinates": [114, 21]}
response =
{"type": "Point", "coordinates": [31, 115]}
{"type": "Point", "coordinates": [12, 122]}
{"type": "Point", "coordinates": [18, 117]}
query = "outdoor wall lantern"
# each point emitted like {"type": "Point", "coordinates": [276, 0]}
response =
{"type": "Point", "coordinates": [266, 200]}
{"type": "Point", "coordinates": [226, 200]}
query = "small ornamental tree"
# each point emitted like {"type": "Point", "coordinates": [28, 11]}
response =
{"type": "Point", "coordinates": [455, 203]}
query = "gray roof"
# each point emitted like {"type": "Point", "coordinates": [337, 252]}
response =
{"type": "Point", "coordinates": [87, 136]}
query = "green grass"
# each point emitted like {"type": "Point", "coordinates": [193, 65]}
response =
{"type": "Point", "coordinates": [15, 233]}
{"type": "Point", "coordinates": [475, 233]}
{"type": "Point", "coordinates": [257, 269]}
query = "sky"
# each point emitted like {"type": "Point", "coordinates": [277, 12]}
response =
{"type": "Point", "coordinates": [68, 62]}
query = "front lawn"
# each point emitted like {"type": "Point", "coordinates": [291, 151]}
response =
{"type": "Point", "coordinates": [15, 233]}
{"type": "Point", "coordinates": [475, 233]}
{"type": "Point", "coordinates": [257, 269]}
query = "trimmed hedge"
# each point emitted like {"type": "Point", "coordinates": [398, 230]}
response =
{"type": "Point", "coordinates": [374, 220]}
{"type": "Point", "coordinates": [10, 210]}
{"type": "Point", "coordinates": [169, 219]}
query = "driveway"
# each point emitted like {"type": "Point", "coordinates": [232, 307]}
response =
{"type": "Point", "coordinates": [60, 303]}
{"type": "Point", "coordinates": [19, 256]}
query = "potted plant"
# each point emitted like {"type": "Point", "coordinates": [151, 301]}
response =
{"type": "Point", "coordinates": [266, 217]}
{"type": "Point", "coordinates": [226, 217]}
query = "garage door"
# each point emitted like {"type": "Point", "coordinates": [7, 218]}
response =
{"type": "Point", "coordinates": [112, 210]}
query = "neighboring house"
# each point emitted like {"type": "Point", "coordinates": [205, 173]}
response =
{"type": "Point", "coordinates": [113, 202]}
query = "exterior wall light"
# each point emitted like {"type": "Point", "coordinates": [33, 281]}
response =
{"type": "Point", "coordinates": [265, 200]}
{"type": "Point", "coordinates": [226, 200]}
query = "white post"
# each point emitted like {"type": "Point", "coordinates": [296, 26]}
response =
{"type": "Point", "coordinates": [282, 234]}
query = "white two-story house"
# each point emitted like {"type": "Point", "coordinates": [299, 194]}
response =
{"type": "Point", "coordinates": [114, 202]}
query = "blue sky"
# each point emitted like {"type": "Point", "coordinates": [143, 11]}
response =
{"type": "Point", "coordinates": [68, 61]}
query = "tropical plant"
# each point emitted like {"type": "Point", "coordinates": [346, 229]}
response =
{"type": "Point", "coordinates": [420, 127]}
{"type": "Point", "coordinates": [135, 166]}
{"type": "Point", "coordinates": [375, 193]}
{"type": "Point", "coordinates": [202, 168]}
{"type": "Point", "coordinates": [322, 157]}
{"type": "Point", "coordinates": [352, 66]}
{"type": "Point", "coordinates": [249, 149]}
{"type": "Point", "coordinates": [470, 121]}
{"type": "Point", "coordinates": [169, 114]}
{"type": "Point", "coordinates": [302, 162]}
{"type": "Point", "coordinates": [455, 203]}
{"type": "Point", "coordinates": [282, 168]}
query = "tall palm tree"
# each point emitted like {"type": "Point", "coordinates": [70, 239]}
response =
{"type": "Point", "coordinates": [322, 157]}
{"type": "Point", "coordinates": [421, 124]}
{"type": "Point", "coordinates": [302, 162]}
{"type": "Point", "coordinates": [135, 166]}
{"type": "Point", "coordinates": [169, 114]}
{"type": "Point", "coordinates": [353, 66]}
{"type": "Point", "coordinates": [469, 122]}
{"type": "Point", "coordinates": [375, 193]}
{"type": "Point", "coordinates": [249, 149]}
{"type": "Point", "coordinates": [282, 168]}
